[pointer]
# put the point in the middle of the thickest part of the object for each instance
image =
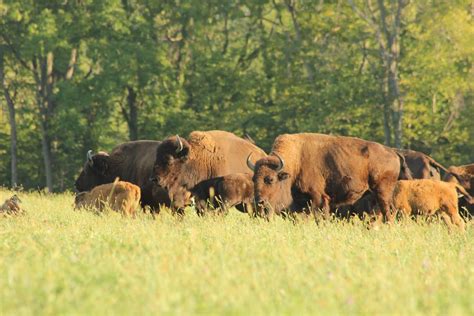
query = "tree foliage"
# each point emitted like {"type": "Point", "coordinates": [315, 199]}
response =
{"type": "Point", "coordinates": [90, 74]}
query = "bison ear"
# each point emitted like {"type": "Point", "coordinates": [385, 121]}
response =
{"type": "Point", "coordinates": [283, 176]}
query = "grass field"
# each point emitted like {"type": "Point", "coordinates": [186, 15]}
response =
{"type": "Point", "coordinates": [54, 260]}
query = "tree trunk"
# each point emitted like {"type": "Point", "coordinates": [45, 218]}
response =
{"type": "Point", "coordinates": [12, 121]}
{"type": "Point", "coordinates": [387, 28]}
{"type": "Point", "coordinates": [13, 139]}
{"type": "Point", "coordinates": [133, 114]}
{"type": "Point", "coordinates": [43, 79]}
{"type": "Point", "coordinates": [386, 112]}
{"type": "Point", "coordinates": [391, 55]}
{"type": "Point", "coordinates": [290, 4]}
{"type": "Point", "coordinates": [395, 97]}
{"type": "Point", "coordinates": [47, 156]}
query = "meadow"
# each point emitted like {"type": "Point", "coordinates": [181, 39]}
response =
{"type": "Point", "coordinates": [55, 260]}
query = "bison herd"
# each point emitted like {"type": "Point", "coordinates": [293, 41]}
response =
{"type": "Point", "coordinates": [304, 173]}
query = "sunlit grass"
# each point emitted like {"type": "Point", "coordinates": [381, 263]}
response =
{"type": "Point", "coordinates": [54, 260]}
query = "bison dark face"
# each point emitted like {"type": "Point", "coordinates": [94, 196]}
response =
{"type": "Point", "coordinates": [79, 200]}
{"type": "Point", "coordinates": [459, 179]}
{"type": "Point", "coordinates": [272, 185]}
{"type": "Point", "coordinates": [170, 166]}
{"type": "Point", "coordinates": [94, 173]}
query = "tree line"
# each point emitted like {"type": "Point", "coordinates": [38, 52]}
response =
{"type": "Point", "coordinates": [89, 74]}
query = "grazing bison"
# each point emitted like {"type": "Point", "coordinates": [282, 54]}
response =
{"type": "Point", "coordinates": [130, 161]}
{"type": "Point", "coordinates": [11, 206]}
{"type": "Point", "coordinates": [421, 166]}
{"type": "Point", "coordinates": [463, 175]}
{"type": "Point", "coordinates": [181, 164]}
{"type": "Point", "coordinates": [120, 196]}
{"type": "Point", "coordinates": [328, 171]}
{"type": "Point", "coordinates": [428, 197]}
{"type": "Point", "coordinates": [224, 192]}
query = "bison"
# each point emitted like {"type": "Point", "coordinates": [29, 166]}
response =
{"type": "Point", "coordinates": [130, 161]}
{"type": "Point", "coordinates": [421, 166]}
{"type": "Point", "coordinates": [120, 196]}
{"type": "Point", "coordinates": [224, 192]}
{"type": "Point", "coordinates": [428, 197]}
{"type": "Point", "coordinates": [463, 175]}
{"type": "Point", "coordinates": [181, 164]}
{"type": "Point", "coordinates": [325, 171]}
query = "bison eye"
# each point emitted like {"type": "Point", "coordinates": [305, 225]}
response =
{"type": "Point", "coordinates": [165, 160]}
{"type": "Point", "coordinates": [268, 180]}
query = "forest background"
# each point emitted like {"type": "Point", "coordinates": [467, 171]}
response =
{"type": "Point", "coordinates": [86, 74]}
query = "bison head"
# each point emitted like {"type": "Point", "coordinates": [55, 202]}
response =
{"type": "Point", "coordinates": [94, 173]}
{"type": "Point", "coordinates": [456, 176]}
{"type": "Point", "coordinates": [170, 166]}
{"type": "Point", "coordinates": [272, 184]}
{"type": "Point", "coordinates": [79, 200]}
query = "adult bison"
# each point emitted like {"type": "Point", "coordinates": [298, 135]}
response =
{"type": "Point", "coordinates": [463, 175]}
{"type": "Point", "coordinates": [130, 161]}
{"type": "Point", "coordinates": [421, 166]}
{"type": "Point", "coordinates": [328, 170]}
{"type": "Point", "coordinates": [181, 164]}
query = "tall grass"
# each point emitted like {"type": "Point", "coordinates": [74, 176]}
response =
{"type": "Point", "coordinates": [54, 260]}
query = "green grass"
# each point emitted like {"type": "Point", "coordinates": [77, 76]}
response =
{"type": "Point", "coordinates": [54, 260]}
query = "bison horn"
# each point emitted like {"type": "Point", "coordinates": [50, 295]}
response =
{"type": "Point", "coordinates": [179, 144]}
{"type": "Point", "coordinates": [282, 162]}
{"type": "Point", "coordinates": [249, 163]}
{"type": "Point", "coordinates": [89, 157]}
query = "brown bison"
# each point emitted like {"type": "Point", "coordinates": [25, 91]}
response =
{"type": "Point", "coordinates": [428, 197]}
{"type": "Point", "coordinates": [11, 206]}
{"type": "Point", "coordinates": [181, 164]}
{"type": "Point", "coordinates": [421, 166]}
{"type": "Point", "coordinates": [326, 171]}
{"type": "Point", "coordinates": [224, 192]}
{"type": "Point", "coordinates": [120, 196]}
{"type": "Point", "coordinates": [130, 161]}
{"type": "Point", "coordinates": [463, 175]}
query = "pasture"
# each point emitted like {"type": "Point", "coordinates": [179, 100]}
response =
{"type": "Point", "coordinates": [54, 260]}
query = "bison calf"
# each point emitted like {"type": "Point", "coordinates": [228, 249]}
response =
{"type": "Point", "coordinates": [225, 192]}
{"type": "Point", "coordinates": [429, 197]}
{"type": "Point", "coordinates": [120, 196]}
{"type": "Point", "coordinates": [11, 206]}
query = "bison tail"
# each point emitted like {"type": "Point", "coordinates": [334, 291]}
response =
{"type": "Point", "coordinates": [463, 191]}
{"type": "Point", "coordinates": [437, 164]}
{"type": "Point", "coordinates": [456, 176]}
{"type": "Point", "coordinates": [405, 173]}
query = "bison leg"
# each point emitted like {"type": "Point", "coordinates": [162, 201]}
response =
{"type": "Point", "coordinates": [320, 203]}
{"type": "Point", "coordinates": [450, 215]}
{"type": "Point", "coordinates": [458, 221]}
{"type": "Point", "coordinates": [447, 219]}
{"type": "Point", "coordinates": [383, 196]}
{"type": "Point", "coordinates": [201, 207]}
